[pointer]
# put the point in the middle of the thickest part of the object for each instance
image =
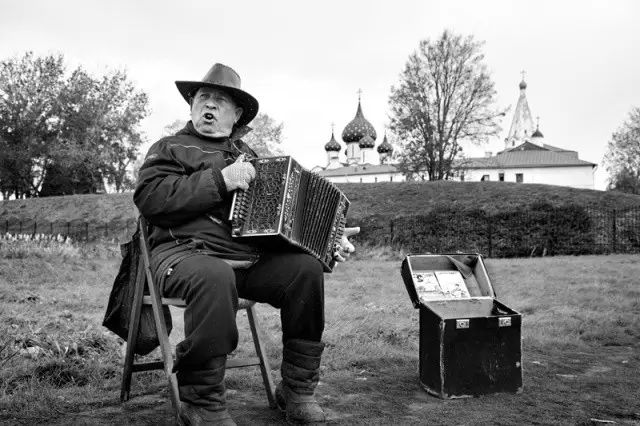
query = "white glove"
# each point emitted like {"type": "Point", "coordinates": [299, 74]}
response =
{"type": "Point", "coordinates": [346, 248]}
{"type": "Point", "coordinates": [238, 175]}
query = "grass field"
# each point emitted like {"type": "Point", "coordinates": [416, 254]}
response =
{"type": "Point", "coordinates": [581, 345]}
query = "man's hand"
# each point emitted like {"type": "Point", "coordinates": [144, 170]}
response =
{"type": "Point", "coordinates": [238, 175]}
{"type": "Point", "coordinates": [346, 248]}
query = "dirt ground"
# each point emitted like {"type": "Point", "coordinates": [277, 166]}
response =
{"type": "Point", "coordinates": [571, 390]}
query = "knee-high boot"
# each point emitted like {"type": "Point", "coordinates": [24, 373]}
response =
{"type": "Point", "coordinates": [300, 375]}
{"type": "Point", "coordinates": [202, 395]}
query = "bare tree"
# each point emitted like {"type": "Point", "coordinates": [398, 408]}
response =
{"type": "Point", "coordinates": [622, 159]}
{"type": "Point", "coordinates": [445, 96]}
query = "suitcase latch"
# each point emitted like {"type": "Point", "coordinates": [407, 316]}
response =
{"type": "Point", "coordinates": [462, 323]}
{"type": "Point", "coordinates": [504, 322]}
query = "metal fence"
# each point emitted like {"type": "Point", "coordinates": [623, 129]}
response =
{"type": "Point", "coordinates": [515, 233]}
{"type": "Point", "coordinates": [543, 231]}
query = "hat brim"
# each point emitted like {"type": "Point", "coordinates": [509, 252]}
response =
{"type": "Point", "coordinates": [248, 103]}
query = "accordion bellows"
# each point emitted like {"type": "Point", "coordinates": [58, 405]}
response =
{"type": "Point", "coordinates": [288, 206]}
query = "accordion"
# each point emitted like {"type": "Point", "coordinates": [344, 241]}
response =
{"type": "Point", "coordinates": [287, 206]}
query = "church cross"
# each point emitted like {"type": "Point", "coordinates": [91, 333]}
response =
{"type": "Point", "coordinates": [523, 73]}
{"type": "Point", "coordinates": [359, 94]}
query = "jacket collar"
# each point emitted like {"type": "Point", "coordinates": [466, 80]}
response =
{"type": "Point", "coordinates": [236, 134]}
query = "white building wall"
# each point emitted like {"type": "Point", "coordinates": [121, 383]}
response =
{"type": "Point", "coordinates": [353, 153]}
{"type": "Point", "coordinates": [333, 160]}
{"type": "Point", "coordinates": [575, 177]}
{"type": "Point", "coordinates": [369, 156]}
{"type": "Point", "coordinates": [369, 178]}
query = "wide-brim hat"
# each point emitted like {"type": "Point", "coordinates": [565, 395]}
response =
{"type": "Point", "coordinates": [224, 78]}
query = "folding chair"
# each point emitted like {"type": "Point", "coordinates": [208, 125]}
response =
{"type": "Point", "coordinates": [145, 281]}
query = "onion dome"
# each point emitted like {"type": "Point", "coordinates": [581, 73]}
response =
{"type": "Point", "coordinates": [332, 145]}
{"type": "Point", "coordinates": [367, 142]}
{"type": "Point", "coordinates": [358, 128]}
{"type": "Point", "coordinates": [537, 133]}
{"type": "Point", "coordinates": [523, 85]}
{"type": "Point", "coordinates": [385, 147]}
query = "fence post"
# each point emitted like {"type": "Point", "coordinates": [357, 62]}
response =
{"type": "Point", "coordinates": [391, 232]}
{"type": "Point", "coordinates": [50, 228]}
{"type": "Point", "coordinates": [68, 230]}
{"type": "Point", "coordinates": [490, 235]}
{"type": "Point", "coordinates": [6, 226]}
{"type": "Point", "coordinates": [35, 228]}
{"type": "Point", "coordinates": [86, 231]}
{"type": "Point", "coordinates": [613, 231]}
{"type": "Point", "coordinates": [20, 231]}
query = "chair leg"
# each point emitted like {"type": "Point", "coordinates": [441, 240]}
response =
{"type": "Point", "coordinates": [134, 328]}
{"type": "Point", "coordinates": [165, 347]}
{"type": "Point", "coordinates": [264, 360]}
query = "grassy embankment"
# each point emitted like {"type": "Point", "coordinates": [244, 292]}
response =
{"type": "Point", "coordinates": [385, 199]}
{"type": "Point", "coordinates": [581, 344]}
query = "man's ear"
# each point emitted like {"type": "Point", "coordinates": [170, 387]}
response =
{"type": "Point", "coordinates": [239, 112]}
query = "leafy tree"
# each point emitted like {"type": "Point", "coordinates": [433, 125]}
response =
{"type": "Point", "coordinates": [445, 96]}
{"type": "Point", "coordinates": [622, 159]}
{"type": "Point", "coordinates": [266, 137]}
{"type": "Point", "coordinates": [77, 132]}
{"type": "Point", "coordinates": [173, 128]}
{"type": "Point", "coordinates": [29, 121]}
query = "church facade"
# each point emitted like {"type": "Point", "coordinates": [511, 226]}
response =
{"type": "Point", "coordinates": [365, 162]}
{"type": "Point", "coordinates": [526, 157]}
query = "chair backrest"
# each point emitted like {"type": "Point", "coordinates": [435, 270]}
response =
{"type": "Point", "coordinates": [144, 247]}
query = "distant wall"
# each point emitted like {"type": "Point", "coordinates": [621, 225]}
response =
{"type": "Point", "coordinates": [574, 177]}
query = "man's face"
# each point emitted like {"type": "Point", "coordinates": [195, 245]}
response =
{"type": "Point", "coordinates": [213, 112]}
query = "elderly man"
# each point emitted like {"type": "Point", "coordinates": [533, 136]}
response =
{"type": "Point", "coordinates": [184, 190]}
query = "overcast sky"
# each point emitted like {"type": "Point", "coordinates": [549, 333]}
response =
{"type": "Point", "coordinates": [305, 61]}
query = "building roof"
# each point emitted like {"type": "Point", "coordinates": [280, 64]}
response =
{"type": "Point", "coordinates": [367, 142]}
{"type": "Point", "coordinates": [332, 145]}
{"type": "Point", "coordinates": [358, 128]}
{"type": "Point", "coordinates": [364, 169]}
{"type": "Point", "coordinates": [555, 148]}
{"type": "Point", "coordinates": [515, 158]}
{"type": "Point", "coordinates": [522, 123]}
{"type": "Point", "coordinates": [385, 147]}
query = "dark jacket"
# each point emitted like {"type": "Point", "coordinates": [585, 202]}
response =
{"type": "Point", "coordinates": [182, 194]}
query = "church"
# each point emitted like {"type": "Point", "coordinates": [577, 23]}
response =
{"type": "Point", "coordinates": [364, 161]}
{"type": "Point", "coordinates": [526, 157]}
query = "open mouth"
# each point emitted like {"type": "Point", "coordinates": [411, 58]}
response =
{"type": "Point", "coordinates": [208, 116]}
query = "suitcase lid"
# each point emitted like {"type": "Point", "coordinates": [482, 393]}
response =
{"type": "Point", "coordinates": [438, 277]}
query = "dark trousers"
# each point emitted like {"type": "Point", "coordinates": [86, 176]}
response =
{"type": "Point", "coordinates": [292, 282]}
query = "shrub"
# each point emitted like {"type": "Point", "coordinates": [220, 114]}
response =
{"type": "Point", "coordinates": [540, 229]}
{"type": "Point", "coordinates": [22, 246]}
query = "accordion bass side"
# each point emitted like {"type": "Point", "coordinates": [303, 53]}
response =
{"type": "Point", "coordinates": [288, 206]}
